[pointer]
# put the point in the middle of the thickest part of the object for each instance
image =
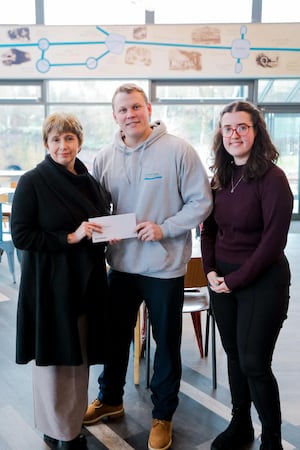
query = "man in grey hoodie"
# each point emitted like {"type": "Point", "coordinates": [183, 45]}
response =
{"type": "Point", "coordinates": [161, 179]}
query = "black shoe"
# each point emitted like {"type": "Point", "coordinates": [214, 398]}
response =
{"type": "Point", "coordinates": [240, 432]}
{"type": "Point", "coordinates": [79, 443]}
{"type": "Point", "coordinates": [270, 441]}
{"type": "Point", "coordinates": [51, 442]}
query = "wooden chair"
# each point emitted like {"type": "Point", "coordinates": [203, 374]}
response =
{"type": "Point", "coordinates": [196, 300]}
{"type": "Point", "coordinates": [137, 343]}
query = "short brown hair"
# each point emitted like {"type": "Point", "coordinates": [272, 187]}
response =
{"type": "Point", "coordinates": [62, 123]}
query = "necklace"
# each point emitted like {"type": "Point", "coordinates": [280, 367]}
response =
{"type": "Point", "coordinates": [235, 185]}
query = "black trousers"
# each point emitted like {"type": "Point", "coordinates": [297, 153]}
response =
{"type": "Point", "coordinates": [249, 321]}
{"type": "Point", "coordinates": [164, 300]}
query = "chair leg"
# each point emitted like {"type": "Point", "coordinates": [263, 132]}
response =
{"type": "Point", "coordinates": [137, 349]}
{"type": "Point", "coordinates": [148, 337]}
{"type": "Point", "coordinates": [11, 262]}
{"type": "Point", "coordinates": [19, 255]}
{"type": "Point", "coordinates": [196, 317]}
{"type": "Point", "coordinates": [197, 328]}
{"type": "Point", "coordinates": [214, 359]}
{"type": "Point", "coordinates": [210, 318]}
{"type": "Point", "coordinates": [207, 333]}
{"type": "Point", "coordinates": [143, 330]}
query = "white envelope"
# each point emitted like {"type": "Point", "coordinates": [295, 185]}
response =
{"type": "Point", "coordinates": [119, 226]}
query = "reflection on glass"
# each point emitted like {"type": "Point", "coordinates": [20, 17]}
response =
{"type": "Point", "coordinates": [280, 12]}
{"type": "Point", "coordinates": [87, 91]}
{"type": "Point", "coordinates": [92, 12]}
{"type": "Point", "coordinates": [21, 136]}
{"type": "Point", "coordinates": [195, 123]}
{"type": "Point", "coordinates": [278, 91]}
{"type": "Point", "coordinates": [18, 11]}
{"type": "Point", "coordinates": [202, 91]}
{"type": "Point", "coordinates": [21, 91]}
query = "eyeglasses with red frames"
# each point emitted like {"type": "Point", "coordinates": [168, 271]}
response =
{"type": "Point", "coordinates": [242, 130]}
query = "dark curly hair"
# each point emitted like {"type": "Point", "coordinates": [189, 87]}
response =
{"type": "Point", "coordinates": [262, 155]}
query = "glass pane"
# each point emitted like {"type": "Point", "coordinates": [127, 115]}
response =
{"type": "Point", "coordinates": [279, 91]}
{"type": "Point", "coordinates": [18, 11]}
{"type": "Point", "coordinates": [20, 92]}
{"type": "Point", "coordinates": [280, 12]}
{"type": "Point", "coordinates": [133, 12]}
{"type": "Point", "coordinates": [98, 125]}
{"type": "Point", "coordinates": [94, 12]}
{"type": "Point", "coordinates": [231, 92]}
{"type": "Point", "coordinates": [285, 131]}
{"type": "Point", "coordinates": [193, 11]}
{"type": "Point", "coordinates": [84, 91]}
{"type": "Point", "coordinates": [195, 123]}
{"type": "Point", "coordinates": [21, 136]}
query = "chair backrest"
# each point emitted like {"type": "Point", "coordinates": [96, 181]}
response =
{"type": "Point", "coordinates": [4, 198]}
{"type": "Point", "coordinates": [1, 219]}
{"type": "Point", "coordinates": [195, 276]}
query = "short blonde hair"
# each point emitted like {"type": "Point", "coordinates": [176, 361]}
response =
{"type": "Point", "coordinates": [128, 88]}
{"type": "Point", "coordinates": [62, 123]}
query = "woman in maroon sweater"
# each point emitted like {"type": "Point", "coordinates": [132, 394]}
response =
{"type": "Point", "coordinates": [243, 244]}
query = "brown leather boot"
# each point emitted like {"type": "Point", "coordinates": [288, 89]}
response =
{"type": "Point", "coordinates": [98, 410]}
{"type": "Point", "coordinates": [160, 437]}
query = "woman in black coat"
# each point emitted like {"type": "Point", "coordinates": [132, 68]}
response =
{"type": "Point", "coordinates": [63, 289]}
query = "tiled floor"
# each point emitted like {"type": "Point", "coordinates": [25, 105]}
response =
{"type": "Point", "coordinates": [202, 412]}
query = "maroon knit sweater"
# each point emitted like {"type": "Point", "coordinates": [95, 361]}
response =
{"type": "Point", "coordinates": [248, 227]}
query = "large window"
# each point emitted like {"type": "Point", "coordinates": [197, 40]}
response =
{"type": "Point", "coordinates": [285, 131]}
{"type": "Point", "coordinates": [189, 109]}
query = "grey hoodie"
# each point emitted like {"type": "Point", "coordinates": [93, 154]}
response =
{"type": "Point", "coordinates": [162, 181]}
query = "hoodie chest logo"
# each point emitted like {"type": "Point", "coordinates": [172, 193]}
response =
{"type": "Point", "coordinates": [152, 176]}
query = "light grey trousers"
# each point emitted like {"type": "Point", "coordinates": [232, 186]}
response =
{"type": "Point", "coordinates": [60, 395]}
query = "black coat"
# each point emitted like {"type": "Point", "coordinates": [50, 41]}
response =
{"type": "Point", "coordinates": [59, 281]}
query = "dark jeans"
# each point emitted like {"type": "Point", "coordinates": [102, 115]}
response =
{"type": "Point", "coordinates": [249, 321]}
{"type": "Point", "coordinates": [164, 300]}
